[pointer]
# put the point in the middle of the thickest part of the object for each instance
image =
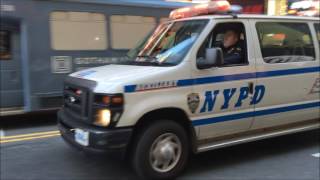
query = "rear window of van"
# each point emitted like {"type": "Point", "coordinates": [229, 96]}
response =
{"type": "Point", "coordinates": [283, 42]}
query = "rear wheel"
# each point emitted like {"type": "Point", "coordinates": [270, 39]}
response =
{"type": "Point", "coordinates": [161, 150]}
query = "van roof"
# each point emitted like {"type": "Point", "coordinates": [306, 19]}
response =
{"type": "Point", "coordinates": [255, 16]}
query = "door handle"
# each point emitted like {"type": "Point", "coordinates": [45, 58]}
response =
{"type": "Point", "coordinates": [251, 87]}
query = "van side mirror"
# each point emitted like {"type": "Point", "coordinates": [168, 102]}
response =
{"type": "Point", "coordinates": [213, 58]}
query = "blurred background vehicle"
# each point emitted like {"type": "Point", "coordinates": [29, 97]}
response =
{"type": "Point", "coordinates": [44, 40]}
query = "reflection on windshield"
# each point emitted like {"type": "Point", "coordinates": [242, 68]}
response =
{"type": "Point", "coordinates": [169, 43]}
{"type": "Point", "coordinates": [175, 51]}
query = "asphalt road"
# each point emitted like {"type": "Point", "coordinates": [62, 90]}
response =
{"type": "Point", "coordinates": [31, 148]}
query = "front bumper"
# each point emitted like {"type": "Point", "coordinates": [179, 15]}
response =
{"type": "Point", "coordinates": [101, 140]}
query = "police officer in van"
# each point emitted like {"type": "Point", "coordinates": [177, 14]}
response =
{"type": "Point", "coordinates": [232, 48]}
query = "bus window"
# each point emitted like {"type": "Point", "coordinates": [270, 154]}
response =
{"type": "Point", "coordinates": [127, 31]}
{"type": "Point", "coordinates": [5, 45]}
{"type": "Point", "coordinates": [78, 31]}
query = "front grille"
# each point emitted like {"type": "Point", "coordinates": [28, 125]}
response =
{"type": "Point", "coordinates": [78, 99]}
{"type": "Point", "coordinates": [75, 100]}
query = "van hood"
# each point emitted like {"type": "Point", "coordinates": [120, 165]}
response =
{"type": "Point", "coordinates": [113, 78]}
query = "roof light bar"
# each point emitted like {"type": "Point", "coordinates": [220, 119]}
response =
{"type": "Point", "coordinates": [214, 7]}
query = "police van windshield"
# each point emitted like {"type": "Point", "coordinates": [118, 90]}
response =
{"type": "Point", "coordinates": [169, 43]}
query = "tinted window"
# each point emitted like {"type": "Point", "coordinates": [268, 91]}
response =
{"type": "Point", "coordinates": [5, 45]}
{"type": "Point", "coordinates": [285, 42]}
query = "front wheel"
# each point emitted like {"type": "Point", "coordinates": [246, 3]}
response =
{"type": "Point", "coordinates": [161, 151]}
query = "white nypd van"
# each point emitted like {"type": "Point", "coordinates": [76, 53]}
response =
{"type": "Point", "coordinates": [178, 93]}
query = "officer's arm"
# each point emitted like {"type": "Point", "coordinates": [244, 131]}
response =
{"type": "Point", "coordinates": [235, 58]}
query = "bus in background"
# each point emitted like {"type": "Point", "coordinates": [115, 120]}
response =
{"type": "Point", "coordinates": [42, 41]}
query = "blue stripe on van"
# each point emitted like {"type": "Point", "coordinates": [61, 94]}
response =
{"type": "Point", "coordinates": [288, 72]}
{"type": "Point", "coordinates": [235, 77]}
{"type": "Point", "coordinates": [239, 116]}
{"type": "Point", "coordinates": [130, 88]}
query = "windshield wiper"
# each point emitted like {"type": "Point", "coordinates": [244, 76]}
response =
{"type": "Point", "coordinates": [147, 59]}
{"type": "Point", "coordinates": [146, 56]}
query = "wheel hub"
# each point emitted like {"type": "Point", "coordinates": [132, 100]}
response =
{"type": "Point", "coordinates": [165, 152]}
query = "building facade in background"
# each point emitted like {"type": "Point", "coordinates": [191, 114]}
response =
{"type": "Point", "coordinates": [273, 7]}
{"type": "Point", "coordinates": [251, 6]}
{"type": "Point", "coordinates": [277, 7]}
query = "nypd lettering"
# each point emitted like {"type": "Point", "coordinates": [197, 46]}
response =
{"type": "Point", "coordinates": [258, 95]}
{"type": "Point", "coordinates": [210, 100]}
{"type": "Point", "coordinates": [228, 94]}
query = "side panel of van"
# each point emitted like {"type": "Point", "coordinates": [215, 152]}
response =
{"type": "Point", "coordinates": [224, 92]}
{"type": "Point", "coordinates": [287, 65]}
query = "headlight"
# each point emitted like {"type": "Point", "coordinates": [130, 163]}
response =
{"type": "Point", "coordinates": [103, 117]}
{"type": "Point", "coordinates": [107, 109]}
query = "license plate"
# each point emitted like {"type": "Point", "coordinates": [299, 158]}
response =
{"type": "Point", "coordinates": [81, 137]}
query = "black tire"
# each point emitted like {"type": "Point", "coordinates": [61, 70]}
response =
{"type": "Point", "coordinates": [141, 150]}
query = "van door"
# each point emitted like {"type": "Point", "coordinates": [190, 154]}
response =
{"type": "Point", "coordinates": [226, 91]}
{"type": "Point", "coordinates": [288, 67]}
{"type": "Point", "coordinates": [10, 67]}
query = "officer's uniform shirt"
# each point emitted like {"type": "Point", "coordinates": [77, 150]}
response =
{"type": "Point", "coordinates": [233, 54]}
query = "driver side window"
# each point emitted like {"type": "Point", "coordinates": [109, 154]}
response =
{"type": "Point", "coordinates": [230, 38]}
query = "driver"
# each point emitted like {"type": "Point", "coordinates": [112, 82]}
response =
{"type": "Point", "coordinates": [232, 50]}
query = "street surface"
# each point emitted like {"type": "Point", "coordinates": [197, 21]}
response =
{"type": "Point", "coordinates": [31, 148]}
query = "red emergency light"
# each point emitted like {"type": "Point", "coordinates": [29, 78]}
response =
{"type": "Point", "coordinates": [214, 7]}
